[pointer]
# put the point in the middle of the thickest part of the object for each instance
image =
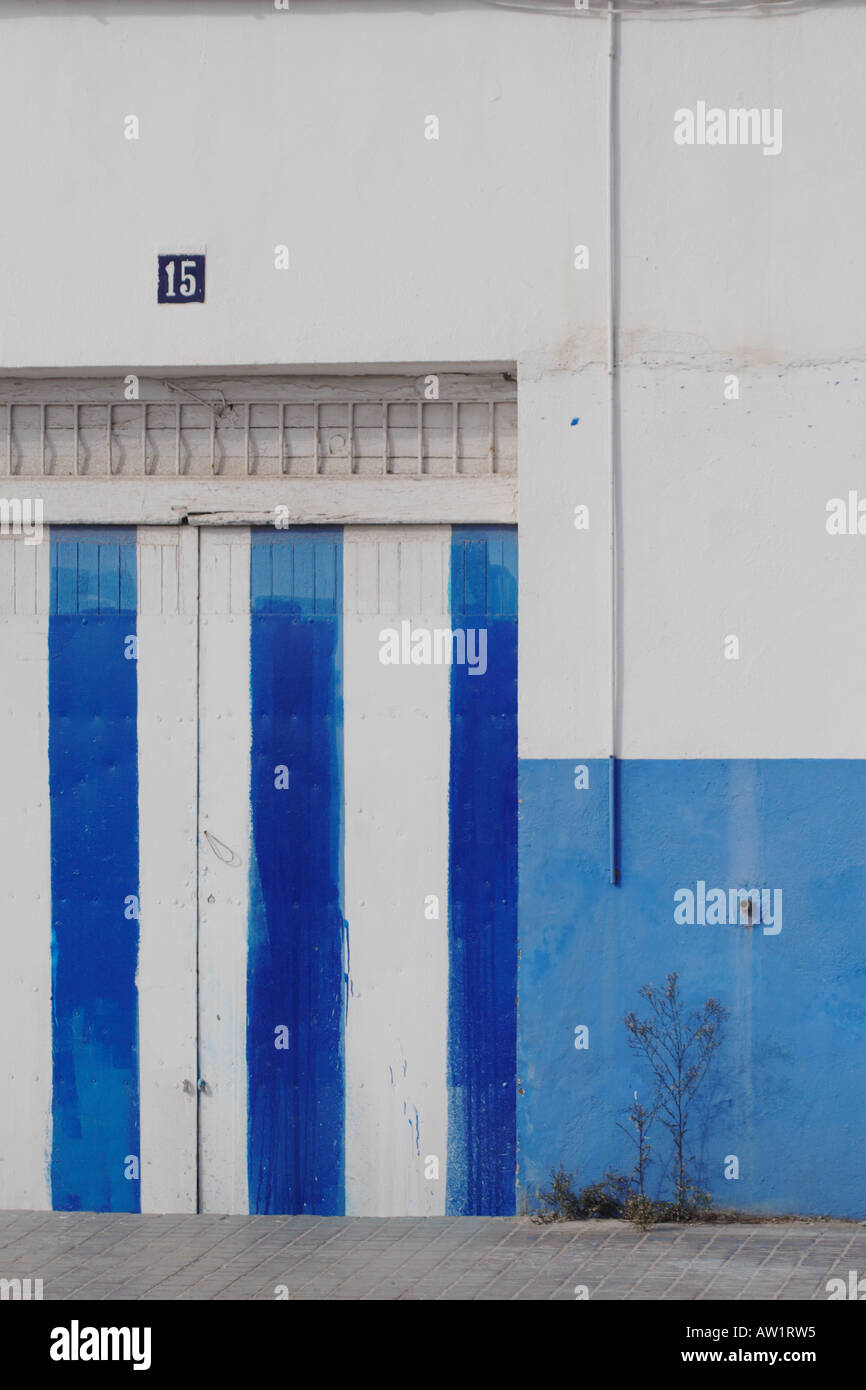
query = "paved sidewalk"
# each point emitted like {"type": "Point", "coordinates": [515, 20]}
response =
{"type": "Point", "coordinates": [81, 1255]}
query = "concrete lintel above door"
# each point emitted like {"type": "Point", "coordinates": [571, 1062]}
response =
{"type": "Point", "coordinates": [172, 501]}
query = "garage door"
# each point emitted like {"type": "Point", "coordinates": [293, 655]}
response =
{"type": "Point", "coordinates": [270, 777]}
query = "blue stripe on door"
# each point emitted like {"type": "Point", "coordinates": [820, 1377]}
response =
{"type": "Point", "coordinates": [93, 792]}
{"type": "Point", "coordinates": [482, 1007]}
{"type": "Point", "coordinates": [295, 968]}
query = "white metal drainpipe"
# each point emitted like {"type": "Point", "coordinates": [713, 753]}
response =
{"type": "Point", "coordinates": [611, 401]}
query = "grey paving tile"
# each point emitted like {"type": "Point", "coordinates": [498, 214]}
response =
{"type": "Point", "coordinates": [125, 1256]}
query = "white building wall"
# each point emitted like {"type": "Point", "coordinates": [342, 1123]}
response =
{"type": "Point", "coordinates": [307, 128]}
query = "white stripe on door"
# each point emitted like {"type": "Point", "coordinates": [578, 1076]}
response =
{"type": "Point", "coordinates": [224, 860]}
{"type": "Point", "coordinates": [25, 873]}
{"type": "Point", "coordinates": [396, 755]}
{"type": "Point", "coordinates": [167, 750]}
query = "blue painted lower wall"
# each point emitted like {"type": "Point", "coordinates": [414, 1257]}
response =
{"type": "Point", "coordinates": [786, 1092]}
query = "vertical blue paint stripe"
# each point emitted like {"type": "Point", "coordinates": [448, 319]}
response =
{"type": "Point", "coordinates": [482, 943]}
{"type": "Point", "coordinates": [93, 792]}
{"type": "Point", "coordinates": [297, 934]}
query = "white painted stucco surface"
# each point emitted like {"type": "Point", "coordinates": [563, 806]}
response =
{"type": "Point", "coordinates": [306, 128]}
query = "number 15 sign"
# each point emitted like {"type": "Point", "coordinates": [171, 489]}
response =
{"type": "Point", "coordinates": [180, 280]}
